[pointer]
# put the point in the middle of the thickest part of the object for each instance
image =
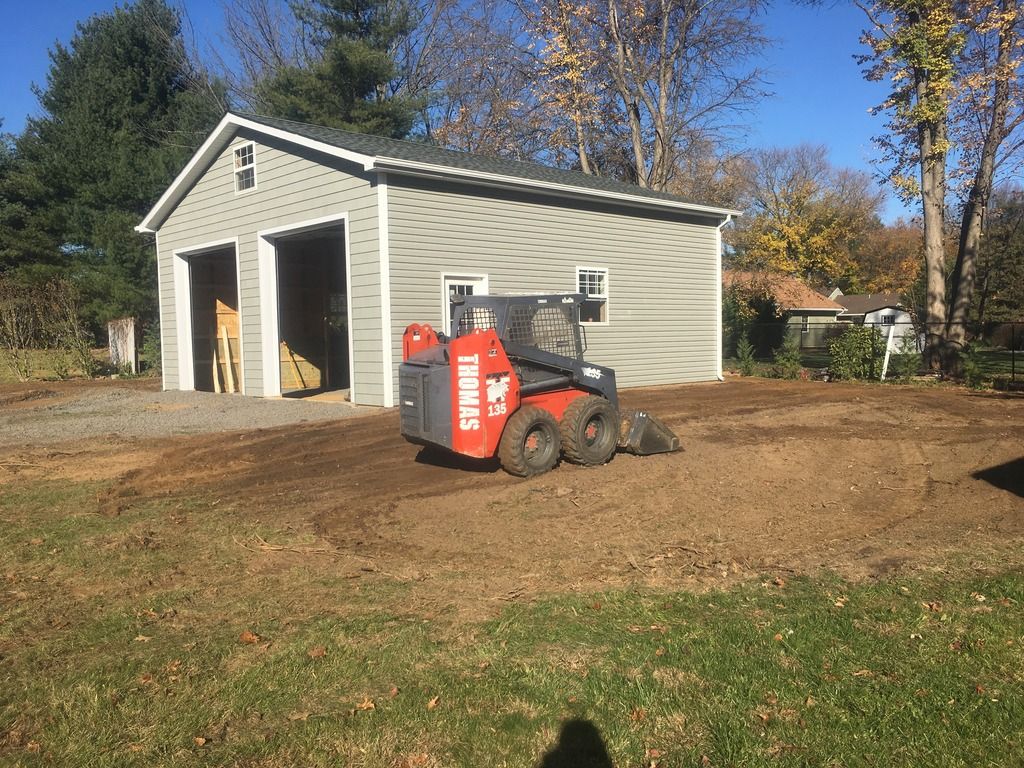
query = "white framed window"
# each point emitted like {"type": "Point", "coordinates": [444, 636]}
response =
{"type": "Point", "coordinates": [805, 325]}
{"type": "Point", "coordinates": [592, 282]}
{"type": "Point", "coordinates": [888, 319]}
{"type": "Point", "coordinates": [245, 167]}
{"type": "Point", "coordinates": [454, 284]}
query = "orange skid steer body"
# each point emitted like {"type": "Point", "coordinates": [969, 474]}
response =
{"type": "Point", "coordinates": [512, 383]}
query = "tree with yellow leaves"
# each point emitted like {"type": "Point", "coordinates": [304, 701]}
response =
{"type": "Point", "coordinates": [953, 118]}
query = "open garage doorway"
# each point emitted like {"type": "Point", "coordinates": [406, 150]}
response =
{"type": "Point", "coordinates": [313, 312]}
{"type": "Point", "coordinates": [216, 345]}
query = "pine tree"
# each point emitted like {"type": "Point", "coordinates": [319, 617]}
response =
{"type": "Point", "coordinates": [122, 109]}
{"type": "Point", "coordinates": [347, 87]}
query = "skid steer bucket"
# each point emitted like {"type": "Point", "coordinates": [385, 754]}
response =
{"type": "Point", "coordinates": [643, 434]}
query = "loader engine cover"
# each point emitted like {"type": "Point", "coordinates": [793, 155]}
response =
{"type": "Point", "coordinates": [459, 395]}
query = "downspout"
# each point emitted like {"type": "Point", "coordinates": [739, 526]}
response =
{"type": "Point", "coordinates": [718, 294]}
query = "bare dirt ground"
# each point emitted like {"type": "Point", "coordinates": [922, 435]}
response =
{"type": "Point", "coordinates": [776, 477]}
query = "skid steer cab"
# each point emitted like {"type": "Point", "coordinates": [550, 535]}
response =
{"type": "Point", "coordinates": [512, 383]}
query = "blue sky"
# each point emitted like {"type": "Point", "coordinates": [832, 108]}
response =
{"type": "Point", "coordinates": [819, 93]}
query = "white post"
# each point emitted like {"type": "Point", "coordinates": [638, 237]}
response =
{"type": "Point", "coordinates": [888, 349]}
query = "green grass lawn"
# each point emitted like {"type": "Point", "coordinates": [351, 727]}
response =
{"type": "Point", "coordinates": [153, 638]}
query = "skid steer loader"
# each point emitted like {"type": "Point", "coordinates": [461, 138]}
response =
{"type": "Point", "coordinates": [511, 382]}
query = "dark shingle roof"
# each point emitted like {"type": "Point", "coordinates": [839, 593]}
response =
{"type": "Point", "coordinates": [862, 303]}
{"type": "Point", "coordinates": [421, 152]}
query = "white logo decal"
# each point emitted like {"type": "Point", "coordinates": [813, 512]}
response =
{"type": "Point", "coordinates": [567, 300]}
{"type": "Point", "coordinates": [593, 373]}
{"type": "Point", "coordinates": [497, 388]}
{"type": "Point", "coordinates": [467, 371]}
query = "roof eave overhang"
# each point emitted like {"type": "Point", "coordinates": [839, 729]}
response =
{"type": "Point", "coordinates": [231, 123]}
{"type": "Point", "coordinates": [448, 173]}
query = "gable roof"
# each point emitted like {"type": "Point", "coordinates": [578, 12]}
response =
{"type": "Point", "coordinates": [790, 293]}
{"type": "Point", "coordinates": [862, 303]}
{"type": "Point", "coordinates": [376, 153]}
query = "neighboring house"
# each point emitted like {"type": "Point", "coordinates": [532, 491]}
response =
{"type": "Point", "coordinates": [885, 311]}
{"type": "Point", "coordinates": [292, 257]}
{"type": "Point", "coordinates": [807, 314]}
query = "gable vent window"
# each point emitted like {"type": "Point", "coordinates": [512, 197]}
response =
{"type": "Point", "coordinates": [593, 284]}
{"type": "Point", "coordinates": [245, 167]}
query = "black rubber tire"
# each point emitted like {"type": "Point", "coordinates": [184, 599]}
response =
{"type": "Point", "coordinates": [530, 444]}
{"type": "Point", "coordinates": [590, 431]}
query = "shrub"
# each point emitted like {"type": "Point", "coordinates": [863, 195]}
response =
{"type": "Point", "coordinates": [745, 355]}
{"type": "Point", "coordinates": [907, 360]}
{"type": "Point", "coordinates": [150, 353]}
{"type": "Point", "coordinates": [971, 368]}
{"type": "Point", "coordinates": [857, 353]}
{"type": "Point", "coordinates": [787, 359]}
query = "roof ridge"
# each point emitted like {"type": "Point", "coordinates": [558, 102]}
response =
{"type": "Point", "coordinates": [433, 145]}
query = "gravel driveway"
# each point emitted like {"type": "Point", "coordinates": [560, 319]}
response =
{"type": "Point", "coordinates": [47, 413]}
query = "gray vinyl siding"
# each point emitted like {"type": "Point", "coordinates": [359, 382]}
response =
{"type": "Point", "coordinates": [662, 269]}
{"type": "Point", "coordinates": [293, 185]}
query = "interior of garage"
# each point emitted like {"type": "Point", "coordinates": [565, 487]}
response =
{"type": "Point", "coordinates": [215, 328]}
{"type": "Point", "coordinates": [313, 312]}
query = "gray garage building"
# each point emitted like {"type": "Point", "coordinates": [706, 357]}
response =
{"type": "Point", "coordinates": [291, 257]}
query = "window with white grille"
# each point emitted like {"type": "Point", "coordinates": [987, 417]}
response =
{"type": "Point", "coordinates": [245, 167]}
{"type": "Point", "coordinates": [592, 282]}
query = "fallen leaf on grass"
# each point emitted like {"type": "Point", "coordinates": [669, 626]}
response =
{"type": "Point", "coordinates": [317, 652]}
{"type": "Point", "coordinates": [249, 637]}
{"type": "Point", "coordinates": [933, 606]}
{"type": "Point", "coordinates": [366, 705]}
{"type": "Point", "coordinates": [705, 761]}
{"type": "Point", "coordinates": [841, 601]}
{"type": "Point", "coordinates": [863, 673]}
{"type": "Point", "coordinates": [979, 597]}
{"type": "Point", "coordinates": [146, 679]}
{"type": "Point", "coordinates": [415, 761]}
{"type": "Point", "coordinates": [809, 702]}
{"type": "Point", "coordinates": [142, 639]}
{"type": "Point", "coordinates": [778, 637]}
{"type": "Point", "coordinates": [33, 746]}
{"type": "Point", "coordinates": [979, 689]}
{"type": "Point", "coordinates": [199, 740]}
{"type": "Point", "coordinates": [779, 581]}
{"type": "Point", "coordinates": [432, 704]}
{"type": "Point", "coordinates": [638, 714]}
{"type": "Point", "coordinates": [393, 692]}
{"type": "Point", "coordinates": [660, 651]}
{"type": "Point", "coordinates": [654, 754]}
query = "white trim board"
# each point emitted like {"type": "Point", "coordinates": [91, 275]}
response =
{"type": "Point", "coordinates": [384, 257]}
{"type": "Point", "coordinates": [270, 320]}
{"type": "Point", "coordinates": [430, 170]}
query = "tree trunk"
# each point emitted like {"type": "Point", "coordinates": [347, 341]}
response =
{"type": "Point", "coordinates": [971, 227]}
{"type": "Point", "coordinates": [933, 195]}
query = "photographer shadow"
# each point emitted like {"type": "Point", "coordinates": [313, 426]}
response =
{"type": "Point", "coordinates": [579, 746]}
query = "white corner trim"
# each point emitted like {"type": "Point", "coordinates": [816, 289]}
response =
{"type": "Point", "coordinates": [718, 298]}
{"type": "Point", "coordinates": [219, 138]}
{"type": "Point", "coordinates": [385, 291]}
{"type": "Point", "coordinates": [270, 320]}
{"type": "Point", "coordinates": [430, 170]}
{"type": "Point", "coordinates": [266, 265]}
{"type": "Point", "coordinates": [160, 314]}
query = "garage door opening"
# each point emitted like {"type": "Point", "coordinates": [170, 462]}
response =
{"type": "Point", "coordinates": [313, 312]}
{"type": "Point", "coordinates": [216, 349]}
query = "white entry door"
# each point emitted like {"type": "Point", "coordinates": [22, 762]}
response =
{"type": "Point", "coordinates": [459, 285]}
